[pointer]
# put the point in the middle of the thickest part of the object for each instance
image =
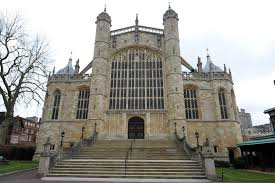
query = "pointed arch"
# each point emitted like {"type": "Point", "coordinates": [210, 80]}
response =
{"type": "Point", "coordinates": [56, 104]}
{"type": "Point", "coordinates": [222, 103]}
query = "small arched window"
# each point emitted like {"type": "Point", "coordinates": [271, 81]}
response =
{"type": "Point", "coordinates": [191, 104]}
{"type": "Point", "coordinates": [83, 104]}
{"type": "Point", "coordinates": [56, 103]}
{"type": "Point", "coordinates": [222, 102]}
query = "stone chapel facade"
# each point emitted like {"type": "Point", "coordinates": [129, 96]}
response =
{"type": "Point", "coordinates": [137, 89]}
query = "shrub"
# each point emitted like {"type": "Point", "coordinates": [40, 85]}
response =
{"type": "Point", "coordinates": [239, 163]}
{"type": "Point", "coordinates": [17, 152]}
{"type": "Point", "coordinates": [222, 164]}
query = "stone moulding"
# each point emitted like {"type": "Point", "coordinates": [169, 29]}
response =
{"type": "Point", "coordinates": [135, 111]}
{"type": "Point", "coordinates": [206, 76]}
{"type": "Point", "coordinates": [140, 28]}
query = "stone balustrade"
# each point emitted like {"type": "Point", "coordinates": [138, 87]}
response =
{"type": "Point", "coordinates": [207, 76]}
{"type": "Point", "coordinates": [139, 28]}
{"type": "Point", "coordinates": [62, 78]}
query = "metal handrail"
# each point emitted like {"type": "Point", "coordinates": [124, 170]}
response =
{"type": "Point", "coordinates": [77, 146]}
{"type": "Point", "coordinates": [59, 154]}
{"type": "Point", "coordinates": [127, 156]}
{"type": "Point", "coordinates": [55, 157]}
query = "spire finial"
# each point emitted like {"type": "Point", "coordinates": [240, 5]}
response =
{"type": "Point", "coordinates": [136, 19]}
{"type": "Point", "coordinates": [104, 7]}
{"type": "Point", "coordinates": [169, 4]}
{"type": "Point", "coordinates": [71, 56]}
{"type": "Point", "coordinates": [224, 68]}
{"type": "Point", "coordinates": [207, 52]}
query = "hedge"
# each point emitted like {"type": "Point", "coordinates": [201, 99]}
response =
{"type": "Point", "coordinates": [13, 152]}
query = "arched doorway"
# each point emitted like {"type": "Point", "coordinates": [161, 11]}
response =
{"type": "Point", "coordinates": [136, 128]}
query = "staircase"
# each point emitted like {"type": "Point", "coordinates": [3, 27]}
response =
{"type": "Point", "coordinates": [146, 159]}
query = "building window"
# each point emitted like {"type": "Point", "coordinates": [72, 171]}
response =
{"type": "Point", "coordinates": [222, 103]}
{"type": "Point", "coordinates": [52, 147]}
{"type": "Point", "coordinates": [145, 80]}
{"type": "Point", "coordinates": [191, 105]}
{"type": "Point", "coordinates": [215, 149]}
{"type": "Point", "coordinates": [56, 104]}
{"type": "Point", "coordinates": [83, 104]}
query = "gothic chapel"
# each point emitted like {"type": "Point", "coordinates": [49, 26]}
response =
{"type": "Point", "coordinates": [134, 88]}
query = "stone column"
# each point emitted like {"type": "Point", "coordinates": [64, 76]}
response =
{"type": "Point", "coordinates": [209, 166]}
{"type": "Point", "coordinates": [44, 161]}
{"type": "Point", "coordinates": [208, 161]}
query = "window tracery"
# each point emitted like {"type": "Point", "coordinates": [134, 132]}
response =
{"type": "Point", "coordinates": [222, 102]}
{"type": "Point", "coordinates": [137, 73]}
{"type": "Point", "coordinates": [191, 104]}
{"type": "Point", "coordinates": [56, 103]}
{"type": "Point", "coordinates": [83, 104]}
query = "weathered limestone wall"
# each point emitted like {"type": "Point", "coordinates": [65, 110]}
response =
{"type": "Point", "coordinates": [66, 116]}
{"type": "Point", "coordinates": [208, 102]}
{"type": "Point", "coordinates": [155, 125]}
{"type": "Point", "coordinates": [53, 129]}
{"type": "Point", "coordinates": [221, 134]}
{"type": "Point", "coordinates": [148, 39]}
{"type": "Point", "coordinates": [68, 101]}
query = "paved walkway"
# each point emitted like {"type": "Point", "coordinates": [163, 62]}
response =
{"type": "Point", "coordinates": [24, 177]}
{"type": "Point", "coordinates": [29, 177]}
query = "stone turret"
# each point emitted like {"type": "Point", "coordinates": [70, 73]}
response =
{"type": "Point", "coordinates": [98, 87]}
{"type": "Point", "coordinates": [174, 82]}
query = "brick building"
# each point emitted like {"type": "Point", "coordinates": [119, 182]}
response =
{"type": "Point", "coordinates": [24, 131]}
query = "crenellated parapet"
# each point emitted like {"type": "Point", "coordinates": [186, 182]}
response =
{"type": "Point", "coordinates": [207, 76]}
{"type": "Point", "coordinates": [68, 78]}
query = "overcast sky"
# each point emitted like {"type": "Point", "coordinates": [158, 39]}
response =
{"type": "Point", "coordinates": [238, 33]}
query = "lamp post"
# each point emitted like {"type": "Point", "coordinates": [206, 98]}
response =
{"type": "Point", "coordinates": [197, 136]}
{"type": "Point", "coordinates": [95, 127]}
{"type": "Point", "coordinates": [82, 130]}
{"type": "Point", "coordinates": [183, 130]}
{"type": "Point", "coordinates": [62, 136]}
{"type": "Point", "coordinates": [175, 127]}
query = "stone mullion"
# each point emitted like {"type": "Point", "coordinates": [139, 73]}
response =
{"type": "Point", "coordinates": [145, 80]}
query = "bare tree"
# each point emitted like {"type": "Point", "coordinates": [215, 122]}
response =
{"type": "Point", "coordinates": [23, 68]}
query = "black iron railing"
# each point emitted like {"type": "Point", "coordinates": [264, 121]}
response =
{"type": "Point", "coordinates": [59, 154]}
{"type": "Point", "coordinates": [77, 146]}
{"type": "Point", "coordinates": [128, 153]}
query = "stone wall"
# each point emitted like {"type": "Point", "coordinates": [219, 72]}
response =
{"type": "Point", "coordinates": [148, 39]}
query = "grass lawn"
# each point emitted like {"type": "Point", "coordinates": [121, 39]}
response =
{"type": "Point", "coordinates": [239, 175]}
{"type": "Point", "coordinates": [17, 165]}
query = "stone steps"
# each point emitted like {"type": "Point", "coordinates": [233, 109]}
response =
{"type": "Point", "coordinates": [148, 159]}
{"type": "Point", "coordinates": [129, 172]}
{"type": "Point", "coordinates": [140, 158]}
{"type": "Point", "coordinates": [129, 176]}
{"type": "Point", "coordinates": [128, 166]}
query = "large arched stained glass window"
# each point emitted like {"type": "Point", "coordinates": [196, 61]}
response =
{"type": "Point", "coordinates": [136, 80]}
{"type": "Point", "coordinates": [56, 103]}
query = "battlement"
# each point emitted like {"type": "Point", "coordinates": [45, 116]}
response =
{"type": "Point", "coordinates": [207, 76]}
{"type": "Point", "coordinates": [136, 111]}
{"type": "Point", "coordinates": [68, 78]}
{"type": "Point", "coordinates": [139, 28]}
